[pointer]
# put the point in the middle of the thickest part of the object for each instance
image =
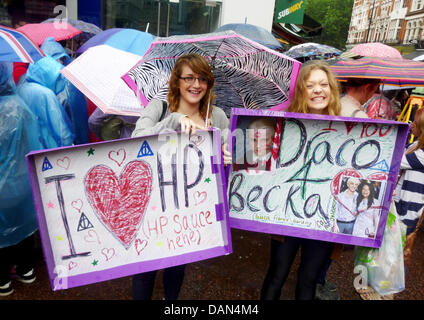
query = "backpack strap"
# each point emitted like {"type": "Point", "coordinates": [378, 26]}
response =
{"type": "Point", "coordinates": [164, 108]}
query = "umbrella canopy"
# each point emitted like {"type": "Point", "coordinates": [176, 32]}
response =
{"type": "Point", "coordinates": [397, 72]}
{"type": "Point", "coordinates": [17, 47]}
{"type": "Point", "coordinates": [377, 50]}
{"type": "Point", "coordinates": [379, 106]}
{"type": "Point", "coordinates": [85, 27]}
{"type": "Point", "coordinates": [419, 58]}
{"type": "Point", "coordinates": [97, 73]}
{"type": "Point", "coordinates": [129, 40]}
{"type": "Point", "coordinates": [88, 29]}
{"type": "Point", "coordinates": [38, 32]}
{"type": "Point", "coordinates": [247, 74]}
{"type": "Point", "coordinates": [311, 49]}
{"type": "Point", "coordinates": [252, 32]}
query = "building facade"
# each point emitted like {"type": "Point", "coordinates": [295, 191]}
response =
{"type": "Point", "coordinates": [394, 22]}
{"type": "Point", "coordinates": [159, 17]}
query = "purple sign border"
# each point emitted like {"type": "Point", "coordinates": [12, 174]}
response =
{"type": "Point", "coordinates": [263, 227]}
{"type": "Point", "coordinates": [138, 267]}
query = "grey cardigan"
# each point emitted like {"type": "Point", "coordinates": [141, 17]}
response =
{"type": "Point", "coordinates": [149, 124]}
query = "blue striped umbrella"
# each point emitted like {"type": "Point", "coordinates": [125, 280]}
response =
{"type": "Point", "coordinates": [17, 47]}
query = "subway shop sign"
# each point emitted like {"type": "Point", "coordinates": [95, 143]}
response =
{"type": "Point", "coordinates": [289, 11]}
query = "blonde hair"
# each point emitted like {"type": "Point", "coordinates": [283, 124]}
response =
{"type": "Point", "coordinates": [299, 103]}
{"type": "Point", "coordinates": [200, 66]}
{"type": "Point", "coordinates": [420, 126]}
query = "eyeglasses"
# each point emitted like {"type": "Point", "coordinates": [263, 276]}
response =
{"type": "Point", "coordinates": [191, 80]}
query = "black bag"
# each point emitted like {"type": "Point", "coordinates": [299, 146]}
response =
{"type": "Point", "coordinates": [111, 128]}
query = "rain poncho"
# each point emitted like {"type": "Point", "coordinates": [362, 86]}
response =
{"type": "Point", "coordinates": [43, 80]}
{"type": "Point", "coordinates": [18, 136]}
{"type": "Point", "coordinates": [72, 100]}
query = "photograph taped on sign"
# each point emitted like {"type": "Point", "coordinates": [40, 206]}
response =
{"type": "Point", "coordinates": [324, 177]}
{"type": "Point", "coordinates": [112, 209]}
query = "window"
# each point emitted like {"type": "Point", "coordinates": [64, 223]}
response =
{"type": "Point", "coordinates": [163, 18]}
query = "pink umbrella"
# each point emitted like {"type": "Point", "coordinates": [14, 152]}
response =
{"type": "Point", "coordinates": [38, 32]}
{"type": "Point", "coordinates": [377, 50]}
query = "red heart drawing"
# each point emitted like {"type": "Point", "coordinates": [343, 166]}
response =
{"type": "Point", "coordinates": [92, 236]}
{"type": "Point", "coordinates": [118, 156]}
{"type": "Point", "coordinates": [140, 245]}
{"type": "Point", "coordinates": [64, 163]}
{"type": "Point", "coordinates": [77, 204]}
{"type": "Point", "coordinates": [108, 253]}
{"type": "Point", "coordinates": [72, 265]}
{"type": "Point", "coordinates": [197, 140]}
{"type": "Point", "coordinates": [120, 203]}
{"type": "Point", "coordinates": [199, 197]}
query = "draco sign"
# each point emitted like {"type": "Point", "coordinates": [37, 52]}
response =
{"type": "Point", "coordinates": [117, 208]}
{"type": "Point", "coordinates": [318, 177]}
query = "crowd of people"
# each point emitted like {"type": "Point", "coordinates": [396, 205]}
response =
{"type": "Point", "coordinates": [40, 109]}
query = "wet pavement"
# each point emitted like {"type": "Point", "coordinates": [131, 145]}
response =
{"type": "Point", "coordinates": [237, 276]}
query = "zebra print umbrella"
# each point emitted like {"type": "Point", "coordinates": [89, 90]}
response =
{"type": "Point", "coordinates": [247, 74]}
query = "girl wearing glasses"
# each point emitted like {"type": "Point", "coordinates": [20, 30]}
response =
{"type": "Point", "coordinates": [190, 99]}
{"type": "Point", "coordinates": [189, 108]}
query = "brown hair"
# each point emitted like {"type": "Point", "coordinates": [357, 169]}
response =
{"type": "Point", "coordinates": [200, 66]}
{"type": "Point", "coordinates": [420, 124]}
{"type": "Point", "coordinates": [299, 104]}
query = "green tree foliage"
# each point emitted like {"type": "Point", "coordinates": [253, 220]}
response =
{"type": "Point", "coordinates": [334, 16]}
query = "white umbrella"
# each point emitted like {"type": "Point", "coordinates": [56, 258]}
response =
{"type": "Point", "coordinates": [419, 58]}
{"type": "Point", "coordinates": [97, 74]}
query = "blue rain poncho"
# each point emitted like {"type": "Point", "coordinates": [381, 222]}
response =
{"type": "Point", "coordinates": [72, 100]}
{"type": "Point", "coordinates": [42, 81]}
{"type": "Point", "coordinates": [18, 135]}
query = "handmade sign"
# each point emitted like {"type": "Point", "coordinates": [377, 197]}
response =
{"type": "Point", "coordinates": [317, 177]}
{"type": "Point", "coordinates": [122, 207]}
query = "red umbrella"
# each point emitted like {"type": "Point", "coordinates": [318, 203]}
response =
{"type": "Point", "coordinates": [376, 50]}
{"type": "Point", "coordinates": [38, 32]}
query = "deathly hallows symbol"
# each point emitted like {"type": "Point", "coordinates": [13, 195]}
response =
{"type": "Point", "coordinates": [84, 223]}
{"type": "Point", "coordinates": [46, 165]}
{"type": "Point", "coordinates": [381, 166]}
{"type": "Point", "coordinates": [145, 150]}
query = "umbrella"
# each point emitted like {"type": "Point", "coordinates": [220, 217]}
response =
{"type": "Point", "coordinates": [397, 72]}
{"type": "Point", "coordinates": [85, 27]}
{"type": "Point", "coordinates": [247, 74]}
{"type": "Point", "coordinates": [311, 49]}
{"type": "Point", "coordinates": [419, 58]}
{"type": "Point", "coordinates": [97, 73]}
{"type": "Point", "coordinates": [88, 29]}
{"type": "Point", "coordinates": [377, 50]}
{"type": "Point", "coordinates": [17, 47]}
{"type": "Point", "coordinates": [39, 32]}
{"type": "Point", "coordinates": [252, 32]}
{"type": "Point", "coordinates": [129, 40]}
{"type": "Point", "coordinates": [379, 106]}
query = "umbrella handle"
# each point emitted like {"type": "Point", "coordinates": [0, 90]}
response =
{"type": "Point", "coordinates": [207, 113]}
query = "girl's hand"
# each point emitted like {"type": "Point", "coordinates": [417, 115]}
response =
{"type": "Point", "coordinates": [188, 125]}
{"type": "Point", "coordinates": [335, 227]}
{"type": "Point", "coordinates": [226, 155]}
